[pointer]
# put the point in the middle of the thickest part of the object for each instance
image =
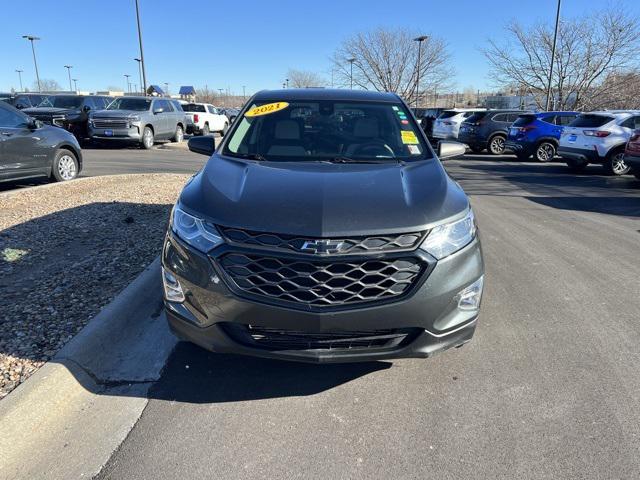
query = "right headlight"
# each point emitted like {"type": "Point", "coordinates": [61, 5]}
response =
{"type": "Point", "coordinates": [196, 232]}
{"type": "Point", "coordinates": [448, 238]}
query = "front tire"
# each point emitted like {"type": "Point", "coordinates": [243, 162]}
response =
{"type": "Point", "coordinates": [178, 137]}
{"type": "Point", "coordinates": [223, 132]}
{"type": "Point", "coordinates": [614, 163]}
{"type": "Point", "coordinates": [65, 166]}
{"type": "Point", "coordinates": [496, 145]}
{"type": "Point", "coordinates": [147, 138]}
{"type": "Point", "coordinates": [545, 152]}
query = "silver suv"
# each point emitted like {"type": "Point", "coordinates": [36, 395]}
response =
{"type": "Point", "coordinates": [139, 119]}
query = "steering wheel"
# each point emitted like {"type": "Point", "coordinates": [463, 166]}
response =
{"type": "Point", "coordinates": [374, 149]}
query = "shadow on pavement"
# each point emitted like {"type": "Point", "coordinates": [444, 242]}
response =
{"type": "Point", "coordinates": [194, 375]}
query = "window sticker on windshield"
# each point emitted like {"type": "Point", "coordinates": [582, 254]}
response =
{"type": "Point", "coordinates": [404, 122]}
{"type": "Point", "coordinates": [414, 149]}
{"type": "Point", "coordinates": [266, 109]}
{"type": "Point", "coordinates": [409, 138]}
{"type": "Point", "coordinates": [395, 108]}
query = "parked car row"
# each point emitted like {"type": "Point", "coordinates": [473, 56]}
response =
{"type": "Point", "coordinates": [579, 138]}
{"type": "Point", "coordinates": [142, 120]}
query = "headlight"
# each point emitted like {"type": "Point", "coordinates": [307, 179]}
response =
{"type": "Point", "coordinates": [446, 239]}
{"type": "Point", "coordinates": [134, 119]}
{"type": "Point", "coordinates": [195, 231]}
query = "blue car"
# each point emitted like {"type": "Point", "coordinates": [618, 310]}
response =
{"type": "Point", "coordinates": [538, 134]}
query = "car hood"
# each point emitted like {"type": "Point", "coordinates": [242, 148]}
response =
{"type": "Point", "coordinates": [117, 113]}
{"type": "Point", "coordinates": [323, 199]}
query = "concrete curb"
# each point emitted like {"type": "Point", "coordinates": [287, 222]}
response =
{"type": "Point", "coordinates": [72, 414]}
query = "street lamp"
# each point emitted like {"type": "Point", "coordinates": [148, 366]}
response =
{"type": "Point", "coordinates": [139, 60]}
{"type": "Point", "coordinates": [19, 72]}
{"type": "Point", "coordinates": [166, 88]}
{"type": "Point", "coordinates": [351, 60]}
{"type": "Point", "coordinates": [126, 76]}
{"type": "Point", "coordinates": [287, 80]}
{"type": "Point", "coordinates": [419, 39]}
{"type": "Point", "coordinates": [69, 67]}
{"type": "Point", "coordinates": [143, 73]}
{"type": "Point", "coordinates": [31, 38]}
{"type": "Point", "coordinates": [553, 54]}
{"type": "Point", "coordinates": [75, 84]}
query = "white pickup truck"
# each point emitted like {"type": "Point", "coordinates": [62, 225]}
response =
{"type": "Point", "coordinates": [204, 118]}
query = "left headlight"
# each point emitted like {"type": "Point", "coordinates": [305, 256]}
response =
{"type": "Point", "coordinates": [196, 232]}
{"type": "Point", "coordinates": [448, 238]}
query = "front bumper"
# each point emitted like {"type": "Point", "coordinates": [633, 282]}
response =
{"type": "Point", "coordinates": [431, 311]}
{"type": "Point", "coordinates": [579, 154]}
{"type": "Point", "coordinates": [131, 134]}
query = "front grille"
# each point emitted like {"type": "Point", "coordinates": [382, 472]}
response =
{"type": "Point", "coordinates": [321, 283]}
{"type": "Point", "coordinates": [336, 246]}
{"type": "Point", "coordinates": [278, 339]}
{"type": "Point", "coordinates": [104, 123]}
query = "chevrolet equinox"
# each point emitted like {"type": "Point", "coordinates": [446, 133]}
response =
{"type": "Point", "coordinates": [323, 228]}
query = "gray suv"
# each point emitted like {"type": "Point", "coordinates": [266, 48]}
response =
{"type": "Point", "coordinates": [139, 119]}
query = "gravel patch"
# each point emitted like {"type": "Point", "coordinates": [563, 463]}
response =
{"type": "Point", "coordinates": [66, 251]}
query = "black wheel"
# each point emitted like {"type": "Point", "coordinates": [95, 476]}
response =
{"type": "Point", "coordinates": [545, 152]}
{"type": "Point", "coordinates": [147, 138]}
{"type": "Point", "coordinates": [205, 129]}
{"type": "Point", "coordinates": [178, 137]}
{"type": "Point", "coordinates": [223, 132]}
{"type": "Point", "coordinates": [576, 165]}
{"type": "Point", "coordinates": [496, 145]}
{"type": "Point", "coordinates": [65, 166]}
{"type": "Point", "coordinates": [614, 163]}
{"type": "Point", "coordinates": [477, 149]}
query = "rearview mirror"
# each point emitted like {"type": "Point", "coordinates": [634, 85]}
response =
{"type": "Point", "coordinates": [204, 145]}
{"type": "Point", "coordinates": [158, 110]}
{"type": "Point", "coordinates": [450, 149]}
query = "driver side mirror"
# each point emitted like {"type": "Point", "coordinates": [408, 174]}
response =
{"type": "Point", "coordinates": [204, 145]}
{"type": "Point", "coordinates": [34, 124]}
{"type": "Point", "coordinates": [158, 110]}
{"type": "Point", "coordinates": [450, 149]}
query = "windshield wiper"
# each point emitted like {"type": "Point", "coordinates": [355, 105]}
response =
{"type": "Point", "coordinates": [341, 159]}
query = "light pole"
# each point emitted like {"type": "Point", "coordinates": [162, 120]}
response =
{"type": "Point", "coordinates": [553, 54]}
{"type": "Point", "coordinates": [142, 69]}
{"type": "Point", "coordinates": [69, 67]}
{"type": "Point", "coordinates": [244, 96]}
{"type": "Point", "coordinates": [139, 60]}
{"type": "Point", "coordinates": [126, 76]}
{"type": "Point", "coordinates": [19, 72]}
{"type": "Point", "coordinates": [31, 38]}
{"type": "Point", "coordinates": [419, 39]}
{"type": "Point", "coordinates": [287, 80]}
{"type": "Point", "coordinates": [166, 86]}
{"type": "Point", "coordinates": [75, 84]}
{"type": "Point", "coordinates": [351, 60]}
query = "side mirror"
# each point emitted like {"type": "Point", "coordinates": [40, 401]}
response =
{"type": "Point", "coordinates": [204, 145]}
{"type": "Point", "coordinates": [86, 108]}
{"type": "Point", "coordinates": [450, 149]}
{"type": "Point", "coordinates": [19, 106]}
{"type": "Point", "coordinates": [34, 124]}
{"type": "Point", "coordinates": [158, 110]}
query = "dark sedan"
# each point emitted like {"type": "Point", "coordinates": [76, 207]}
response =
{"type": "Point", "coordinates": [30, 149]}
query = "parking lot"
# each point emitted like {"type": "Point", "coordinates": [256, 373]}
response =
{"type": "Point", "coordinates": [547, 389]}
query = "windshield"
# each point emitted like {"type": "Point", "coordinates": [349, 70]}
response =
{"type": "Point", "coordinates": [590, 121]}
{"type": "Point", "coordinates": [65, 101]}
{"type": "Point", "coordinates": [192, 107]}
{"type": "Point", "coordinates": [327, 130]}
{"type": "Point", "coordinates": [523, 120]}
{"type": "Point", "coordinates": [124, 103]}
{"type": "Point", "coordinates": [39, 100]}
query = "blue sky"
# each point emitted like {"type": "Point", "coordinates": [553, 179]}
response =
{"type": "Point", "coordinates": [227, 44]}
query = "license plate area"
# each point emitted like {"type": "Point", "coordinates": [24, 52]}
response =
{"type": "Point", "coordinates": [108, 133]}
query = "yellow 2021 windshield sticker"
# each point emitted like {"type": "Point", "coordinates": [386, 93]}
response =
{"type": "Point", "coordinates": [266, 109]}
{"type": "Point", "coordinates": [409, 138]}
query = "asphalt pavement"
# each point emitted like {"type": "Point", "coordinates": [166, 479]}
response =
{"type": "Point", "coordinates": [548, 388]}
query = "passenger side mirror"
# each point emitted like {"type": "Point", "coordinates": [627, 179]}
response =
{"type": "Point", "coordinates": [158, 110]}
{"type": "Point", "coordinates": [450, 149]}
{"type": "Point", "coordinates": [204, 145]}
{"type": "Point", "coordinates": [34, 124]}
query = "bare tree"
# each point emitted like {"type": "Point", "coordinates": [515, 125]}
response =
{"type": "Point", "coordinates": [589, 49]}
{"type": "Point", "coordinates": [304, 79]}
{"type": "Point", "coordinates": [47, 85]}
{"type": "Point", "coordinates": [387, 60]}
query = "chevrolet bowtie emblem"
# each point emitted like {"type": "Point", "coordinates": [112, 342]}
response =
{"type": "Point", "coordinates": [322, 247]}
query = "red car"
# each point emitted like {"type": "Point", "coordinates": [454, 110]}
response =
{"type": "Point", "coordinates": [632, 154]}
